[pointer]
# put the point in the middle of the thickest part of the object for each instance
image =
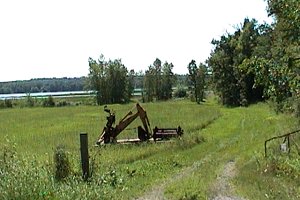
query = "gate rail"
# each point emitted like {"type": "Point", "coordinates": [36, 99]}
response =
{"type": "Point", "coordinates": [286, 138]}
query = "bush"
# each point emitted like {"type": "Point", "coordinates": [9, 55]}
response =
{"type": "Point", "coordinates": [22, 178]}
{"type": "Point", "coordinates": [62, 165]}
{"type": "Point", "coordinates": [297, 108]}
{"type": "Point", "coordinates": [49, 102]}
{"type": "Point", "coordinates": [29, 101]}
{"type": "Point", "coordinates": [180, 92]}
{"type": "Point", "coordinates": [7, 103]}
{"type": "Point", "coordinates": [62, 104]}
{"type": "Point", "coordinates": [290, 105]}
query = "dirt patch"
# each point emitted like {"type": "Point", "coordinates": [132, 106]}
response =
{"type": "Point", "coordinates": [222, 189]}
{"type": "Point", "coordinates": [157, 192]}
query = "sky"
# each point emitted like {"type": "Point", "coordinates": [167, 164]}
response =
{"type": "Point", "coordinates": [45, 39]}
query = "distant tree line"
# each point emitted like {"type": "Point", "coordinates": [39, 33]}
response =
{"type": "Point", "coordinates": [43, 85]}
{"type": "Point", "coordinates": [115, 84]}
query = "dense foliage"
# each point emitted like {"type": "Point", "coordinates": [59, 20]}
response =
{"type": "Point", "coordinates": [261, 61]}
{"type": "Point", "coordinates": [233, 80]}
{"type": "Point", "coordinates": [285, 63]}
{"type": "Point", "coordinates": [158, 81]}
{"type": "Point", "coordinates": [196, 79]}
{"type": "Point", "coordinates": [110, 79]}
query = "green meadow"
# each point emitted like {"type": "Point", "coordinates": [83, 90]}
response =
{"type": "Point", "coordinates": [185, 168]}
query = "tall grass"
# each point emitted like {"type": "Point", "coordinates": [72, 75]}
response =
{"type": "Point", "coordinates": [119, 171]}
{"type": "Point", "coordinates": [212, 136]}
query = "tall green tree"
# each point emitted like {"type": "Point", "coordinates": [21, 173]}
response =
{"type": "Point", "coordinates": [285, 63]}
{"type": "Point", "coordinates": [110, 80]}
{"type": "Point", "coordinates": [131, 82]}
{"type": "Point", "coordinates": [118, 84]}
{"type": "Point", "coordinates": [149, 91]}
{"type": "Point", "coordinates": [97, 79]}
{"type": "Point", "coordinates": [197, 80]}
{"type": "Point", "coordinates": [158, 81]}
{"type": "Point", "coordinates": [167, 81]}
{"type": "Point", "coordinates": [278, 68]}
{"type": "Point", "coordinates": [202, 75]}
{"type": "Point", "coordinates": [261, 61]}
{"type": "Point", "coordinates": [234, 80]}
{"type": "Point", "coordinates": [157, 77]}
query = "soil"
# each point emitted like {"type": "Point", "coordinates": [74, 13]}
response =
{"type": "Point", "coordinates": [222, 189]}
{"type": "Point", "coordinates": [157, 192]}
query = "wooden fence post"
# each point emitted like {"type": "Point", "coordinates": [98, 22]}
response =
{"type": "Point", "coordinates": [84, 155]}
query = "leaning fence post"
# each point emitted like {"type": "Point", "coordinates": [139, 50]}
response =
{"type": "Point", "coordinates": [84, 155]}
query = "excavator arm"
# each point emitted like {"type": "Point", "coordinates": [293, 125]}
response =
{"type": "Point", "coordinates": [110, 133]}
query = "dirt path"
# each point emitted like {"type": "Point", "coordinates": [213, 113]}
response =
{"type": "Point", "coordinates": [157, 192]}
{"type": "Point", "coordinates": [222, 189]}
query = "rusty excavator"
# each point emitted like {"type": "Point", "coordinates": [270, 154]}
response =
{"type": "Point", "coordinates": [110, 133]}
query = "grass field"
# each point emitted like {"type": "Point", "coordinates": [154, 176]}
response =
{"type": "Point", "coordinates": [214, 136]}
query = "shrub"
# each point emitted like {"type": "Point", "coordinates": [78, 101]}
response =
{"type": "Point", "coordinates": [2, 104]}
{"type": "Point", "coordinates": [290, 105]}
{"type": "Point", "coordinates": [7, 103]}
{"type": "Point", "coordinates": [29, 101]}
{"type": "Point", "coordinates": [22, 178]}
{"type": "Point", "coordinates": [297, 108]}
{"type": "Point", "coordinates": [180, 92]}
{"type": "Point", "coordinates": [49, 102]}
{"type": "Point", "coordinates": [62, 104]}
{"type": "Point", "coordinates": [62, 165]}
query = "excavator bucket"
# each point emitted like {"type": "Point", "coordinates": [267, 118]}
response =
{"type": "Point", "coordinates": [142, 134]}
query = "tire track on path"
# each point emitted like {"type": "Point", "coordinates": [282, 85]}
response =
{"type": "Point", "coordinates": [157, 192]}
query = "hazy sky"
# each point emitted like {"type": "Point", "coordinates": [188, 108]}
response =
{"type": "Point", "coordinates": [40, 38]}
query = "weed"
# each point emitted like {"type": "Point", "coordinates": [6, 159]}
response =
{"type": "Point", "coordinates": [61, 163]}
{"type": "Point", "coordinates": [49, 102]}
{"type": "Point", "coordinates": [189, 196]}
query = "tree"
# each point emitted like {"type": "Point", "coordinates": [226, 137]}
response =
{"type": "Point", "coordinates": [110, 80]}
{"type": "Point", "coordinates": [167, 81]}
{"type": "Point", "coordinates": [233, 77]}
{"type": "Point", "coordinates": [131, 83]}
{"type": "Point", "coordinates": [285, 62]}
{"type": "Point", "coordinates": [197, 80]}
{"type": "Point", "coordinates": [276, 57]}
{"type": "Point", "coordinates": [149, 84]}
{"type": "Point", "coordinates": [117, 82]}
{"type": "Point", "coordinates": [201, 83]}
{"type": "Point", "coordinates": [261, 61]}
{"type": "Point", "coordinates": [158, 81]}
{"type": "Point", "coordinates": [157, 78]}
{"type": "Point", "coordinates": [97, 79]}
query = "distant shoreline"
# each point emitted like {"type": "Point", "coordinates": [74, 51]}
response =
{"type": "Point", "coordinates": [46, 94]}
